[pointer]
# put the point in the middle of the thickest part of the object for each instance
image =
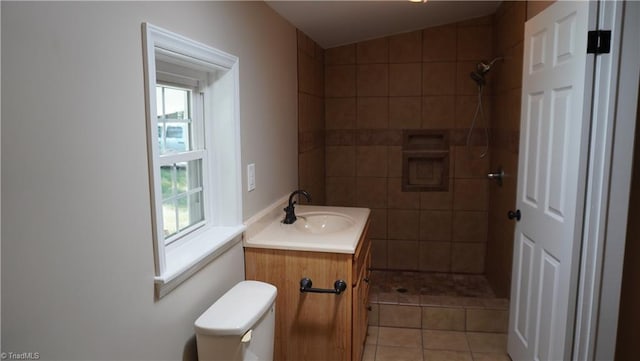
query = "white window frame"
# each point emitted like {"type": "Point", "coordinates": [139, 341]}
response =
{"type": "Point", "coordinates": [222, 184]}
{"type": "Point", "coordinates": [200, 153]}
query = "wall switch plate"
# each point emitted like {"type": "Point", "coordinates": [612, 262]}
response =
{"type": "Point", "coordinates": [251, 177]}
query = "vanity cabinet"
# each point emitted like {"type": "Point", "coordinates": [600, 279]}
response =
{"type": "Point", "coordinates": [316, 326]}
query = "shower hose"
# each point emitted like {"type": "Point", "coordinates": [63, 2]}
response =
{"type": "Point", "coordinates": [479, 111]}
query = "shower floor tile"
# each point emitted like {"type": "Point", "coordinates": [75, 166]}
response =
{"type": "Point", "coordinates": [399, 286]}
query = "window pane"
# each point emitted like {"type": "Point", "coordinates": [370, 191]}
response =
{"type": "Point", "coordinates": [176, 103]}
{"type": "Point", "coordinates": [181, 177]}
{"type": "Point", "coordinates": [169, 218]}
{"type": "Point", "coordinates": [183, 213]}
{"type": "Point", "coordinates": [182, 204]}
{"type": "Point", "coordinates": [174, 119]}
{"type": "Point", "coordinates": [166, 180]}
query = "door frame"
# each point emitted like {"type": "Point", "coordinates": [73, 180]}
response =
{"type": "Point", "coordinates": [615, 92]}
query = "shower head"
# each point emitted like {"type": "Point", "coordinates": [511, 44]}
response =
{"type": "Point", "coordinates": [478, 77]}
{"type": "Point", "coordinates": [482, 68]}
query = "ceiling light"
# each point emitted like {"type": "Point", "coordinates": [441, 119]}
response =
{"type": "Point", "coordinates": [418, 1]}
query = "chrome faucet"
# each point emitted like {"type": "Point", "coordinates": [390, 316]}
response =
{"type": "Point", "coordinates": [290, 215]}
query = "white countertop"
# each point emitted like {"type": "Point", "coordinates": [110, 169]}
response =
{"type": "Point", "coordinates": [277, 235]}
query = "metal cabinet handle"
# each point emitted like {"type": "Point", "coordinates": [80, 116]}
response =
{"type": "Point", "coordinates": [339, 286]}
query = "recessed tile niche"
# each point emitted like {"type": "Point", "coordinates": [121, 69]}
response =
{"type": "Point", "coordinates": [425, 160]}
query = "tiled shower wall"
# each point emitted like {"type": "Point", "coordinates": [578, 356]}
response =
{"type": "Point", "coordinates": [417, 80]}
{"type": "Point", "coordinates": [311, 151]}
{"type": "Point", "coordinates": [505, 128]}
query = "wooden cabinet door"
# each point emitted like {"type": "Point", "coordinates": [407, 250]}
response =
{"type": "Point", "coordinates": [309, 326]}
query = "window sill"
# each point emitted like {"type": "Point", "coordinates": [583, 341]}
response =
{"type": "Point", "coordinates": [183, 260]}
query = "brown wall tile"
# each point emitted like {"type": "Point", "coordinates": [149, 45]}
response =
{"type": "Point", "coordinates": [341, 191]}
{"type": "Point", "coordinates": [411, 81]}
{"type": "Point", "coordinates": [402, 255]}
{"type": "Point", "coordinates": [310, 113]}
{"type": "Point", "coordinates": [371, 161]}
{"type": "Point", "coordinates": [470, 226]}
{"type": "Point", "coordinates": [406, 47]}
{"type": "Point", "coordinates": [475, 43]}
{"type": "Point", "coordinates": [468, 163]}
{"type": "Point", "coordinates": [438, 112]}
{"type": "Point", "coordinates": [305, 72]}
{"type": "Point", "coordinates": [311, 127]}
{"type": "Point", "coordinates": [372, 113]}
{"type": "Point", "coordinates": [341, 161]}
{"type": "Point", "coordinates": [437, 200]}
{"type": "Point", "coordinates": [508, 38]}
{"type": "Point", "coordinates": [340, 137]}
{"type": "Point", "coordinates": [435, 256]}
{"type": "Point", "coordinates": [438, 78]}
{"type": "Point", "coordinates": [484, 20]}
{"type": "Point", "coordinates": [371, 192]}
{"type": "Point", "coordinates": [468, 257]}
{"type": "Point", "coordinates": [379, 253]}
{"type": "Point", "coordinates": [442, 318]}
{"type": "Point", "coordinates": [439, 43]}
{"type": "Point", "coordinates": [378, 223]}
{"type": "Point", "coordinates": [397, 199]}
{"type": "Point", "coordinates": [483, 320]}
{"type": "Point", "coordinates": [403, 224]}
{"type": "Point", "coordinates": [470, 194]}
{"type": "Point", "coordinates": [340, 81]}
{"type": "Point", "coordinates": [305, 44]}
{"type": "Point", "coordinates": [435, 225]}
{"type": "Point", "coordinates": [311, 174]}
{"type": "Point", "coordinates": [464, 84]}
{"type": "Point", "coordinates": [341, 55]}
{"type": "Point", "coordinates": [373, 80]}
{"type": "Point", "coordinates": [379, 137]}
{"type": "Point", "coordinates": [340, 113]}
{"type": "Point", "coordinates": [466, 106]}
{"type": "Point", "coordinates": [405, 79]}
{"type": "Point", "coordinates": [394, 162]}
{"type": "Point", "coordinates": [405, 112]}
{"type": "Point", "coordinates": [373, 51]}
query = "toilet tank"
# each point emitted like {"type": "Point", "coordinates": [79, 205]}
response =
{"type": "Point", "coordinates": [240, 325]}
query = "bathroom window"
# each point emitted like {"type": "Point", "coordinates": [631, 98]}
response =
{"type": "Point", "coordinates": [194, 153]}
{"type": "Point", "coordinates": [181, 159]}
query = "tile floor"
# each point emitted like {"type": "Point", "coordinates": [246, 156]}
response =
{"type": "Point", "coordinates": [435, 317]}
{"type": "Point", "coordinates": [410, 344]}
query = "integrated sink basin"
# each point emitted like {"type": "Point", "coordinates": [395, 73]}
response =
{"type": "Point", "coordinates": [323, 222]}
{"type": "Point", "coordinates": [317, 228]}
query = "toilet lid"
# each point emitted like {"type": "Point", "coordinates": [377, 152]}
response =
{"type": "Point", "coordinates": [237, 310]}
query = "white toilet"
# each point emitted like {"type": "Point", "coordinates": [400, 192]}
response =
{"type": "Point", "coordinates": [240, 325]}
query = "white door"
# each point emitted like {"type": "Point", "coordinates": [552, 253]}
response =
{"type": "Point", "coordinates": [551, 181]}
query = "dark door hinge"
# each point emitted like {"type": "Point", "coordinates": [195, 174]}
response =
{"type": "Point", "coordinates": [599, 42]}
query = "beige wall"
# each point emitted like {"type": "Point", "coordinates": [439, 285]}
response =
{"type": "Point", "coordinates": [417, 80]}
{"type": "Point", "coordinates": [77, 258]}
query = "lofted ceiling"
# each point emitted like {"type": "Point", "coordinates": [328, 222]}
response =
{"type": "Point", "coordinates": [335, 23]}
